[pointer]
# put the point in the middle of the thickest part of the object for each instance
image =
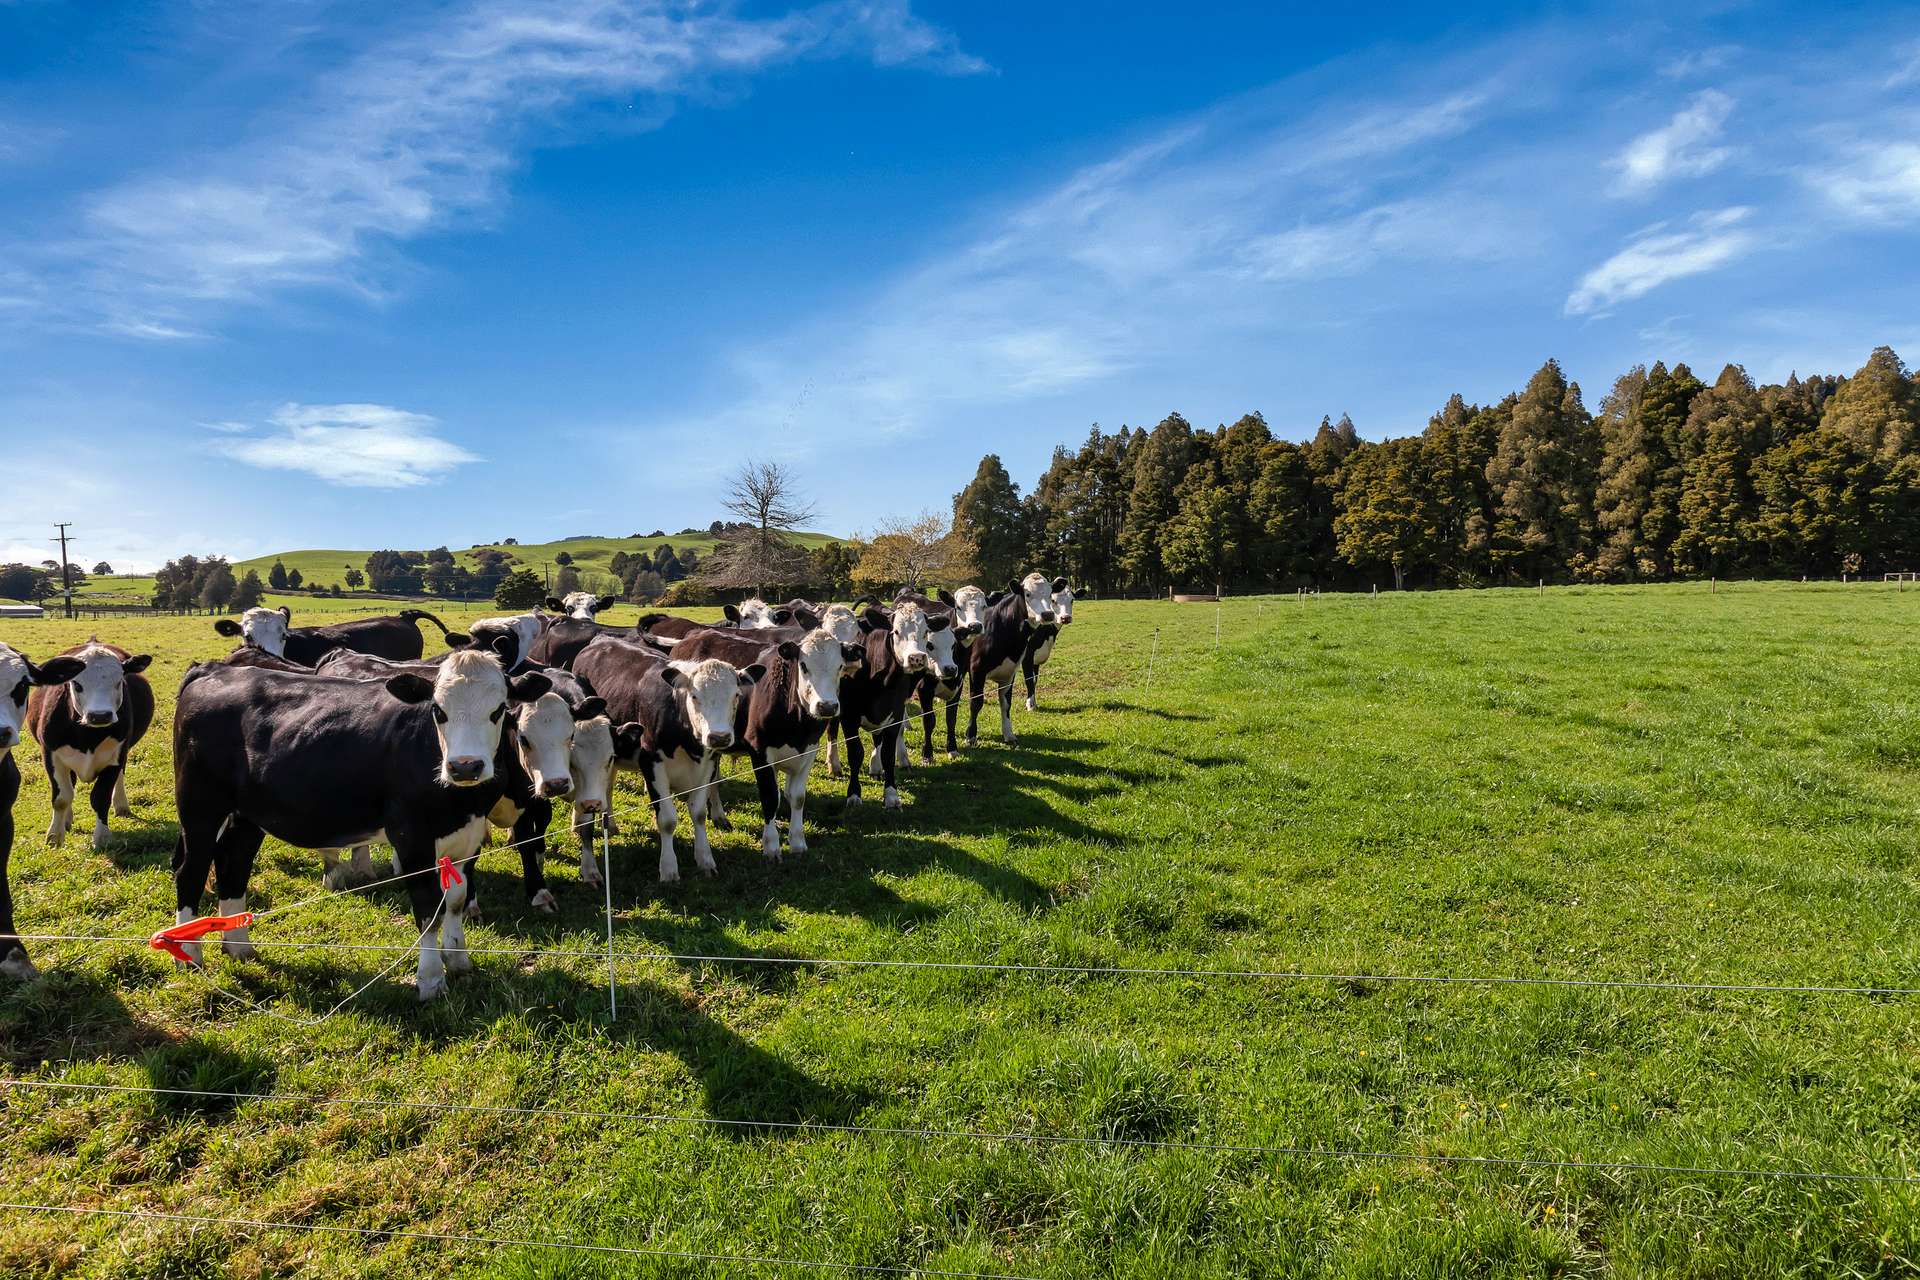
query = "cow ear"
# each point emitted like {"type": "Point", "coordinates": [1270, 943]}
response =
{"type": "Point", "coordinates": [629, 740]}
{"type": "Point", "coordinates": [939, 622]}
{"type": "Point", "coordinates": [1014, 588]}
{"type": "Point", "coordinates": [730, 613]}
{"type": "Point", "coordinates": [806, 618]}
{"type": "Point", "coordinates": [286, 613]}
{"type": "Point", "coordinates": [877, 619]}
{"type": "Point", "coordinates": [54, 670]}
{"type": "Point", "coordinates": [227, 627]}
{"type": "Point", "coordinates": [852, 652]}
{"type": "Point", "coordinates": [751, 674]}
{"type": "Point", "coordinates": [946, 598]}
{"type": "Point", "coordinates": [1060, 583]}
{"type": "Point", "coordinates": [995, 598]}
{"type": "Point", "coordinates": [590, 709]}
{"type": "Point", "coordinates": [458, 639]}
{"type": "Point", "coordinates": [789, 650]}
{"type": "Point", "coordinates": [672, 675]}
{"type": "Point", "coordinates": [902, 594]}
{"type": "Point", "coordinates": [528, 687]}
{"type": "Point", "coordinates": [865, 625]}
{"type": "Point", "coordinates": [554, 604]}
{"type": "Point", "coordinates": [410, 687]}
{"type": "Point", "coordinates": [863, 602]}
{"type": "Point", "coordinates": [135, 665]}
{"type": "Point", "coordinates": [606, 602]}
{"type": "Point", "coordinates": [781, 617]}
{"type": "Point", "coordinates": [506, 646]}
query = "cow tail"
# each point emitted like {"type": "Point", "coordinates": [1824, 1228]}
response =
{"type": "Point", "coordinates": [415, 615]}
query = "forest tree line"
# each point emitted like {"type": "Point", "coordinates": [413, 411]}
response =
{"type": "Point", "coordinates": [1672, 478]}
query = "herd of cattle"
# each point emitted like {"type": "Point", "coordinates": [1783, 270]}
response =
{"type": "Point", "coordinates": [334, 737]}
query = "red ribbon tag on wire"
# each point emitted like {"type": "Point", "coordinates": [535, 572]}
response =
{"type": "Point", "coordinates": [170, 940]}
{"type": "Point", "coordinates": [449, 874]}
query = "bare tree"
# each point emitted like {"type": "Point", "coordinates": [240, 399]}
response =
{"type": "Point", "coordinates": [915, 553]}
{"type": "Point", "coordinates": [765, 497]}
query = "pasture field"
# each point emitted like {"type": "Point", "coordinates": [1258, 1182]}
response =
{"type": "Point", "coordinates": [1612, 783]}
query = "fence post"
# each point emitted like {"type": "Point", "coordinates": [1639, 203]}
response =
{"type": "Point", "coordinates": [606, 879]}
{"type": "Point", "coordinates": [1152, 653]}
{"type": "Point", "coordinates": [1216, 626]}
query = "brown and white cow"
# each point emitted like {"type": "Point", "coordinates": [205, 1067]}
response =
{"type": "Point", "coordinates": [87, 728]}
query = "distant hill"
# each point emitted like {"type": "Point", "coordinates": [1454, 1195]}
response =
{"type": "Point", "coordinates": [325, 567]}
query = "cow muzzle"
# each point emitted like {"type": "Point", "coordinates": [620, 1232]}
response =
{"type": "Point", "coordinates": [99, 719]}
{"type": "Point", "coordinates": [916, 662]}
{"type": "Point", "coordinates": [551, 787]}
{"type": "Point", "coordinates": [465, 771]}
{"type": "Point", "coordinates": [717, 741]}
{"type": "Point", "coordinates": [591, 806]}
{"type": "Point", "coordinates": [1047, 616]}
{"type": "Point", "coordinates": [971, 630]}
{"type": "Point", "coordinates": [825, 710]}
{"type": "Point", "coordinates": [6, 736]}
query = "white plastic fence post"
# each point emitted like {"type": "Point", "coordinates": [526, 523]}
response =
{"type": "Point", "coordinates": [606, 879]}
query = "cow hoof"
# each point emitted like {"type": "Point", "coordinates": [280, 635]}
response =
{"type": "Point", "coordinates": [473, 909]}
{"type": "Point", "coordinates": [335, 878]}
{"type": "Point", "coordinates": [543, 901]}
{"type": "Point", "coordinates": [193, 960]}
{"type": "Point", "coordinates": [55, 838]}
{"type": "Point", "coordinates": [100, 836]}
{"type": "Point", "coordinates": [457, 961]}
{"type": "Point", "coordinates": [592, 880]}
{"type": "Point", "coordinates": [926, 757]}
{"type": "Point", "coordinates": [795, 844]}
{"type": "Point", "coordinates": [972, 741]}
{"type": "Point", "coordinates": [669, 877]}
{"type": "Point", "coordinates": [853, 802]}
{"type": "Point", "coordinates": [1031, 705]}
{"type": "Point", "coordinates": [17, 967]}
{"type": "Point", "coordinates": [431, 988]}
{"type": "Point", "coordinates": [123, 811]}
{"type": "Point", "coordinates": [719, 820]}
{"type": "Point", "coordinates": [238, 949]}
{"type": "Point", "coordinates": [893, 799]}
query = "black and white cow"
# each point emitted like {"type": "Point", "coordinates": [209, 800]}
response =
{"type": "Point", "coordinates": [875, 697]}
{"type": "Point", "coordinates": [511, 639]}
{"type": "Point", "coordinates": [17, 674]}
{"type": "Point", "coordinates": [86, 730]}
{"type": "Point", "coordinates": [395, 636]}
{"type": "Point", "coordinates": [557, 737]}
{"type": "Point", "coordinates": [316, 762]}
{"type": "Point", "coordinates": [995, 655]}
{"type": "Point", "coordinates": [967, 609]}
{"type": "Point", "coordinates": [580, 605]}
{"type": "Point", "coordinates": [1040, 647]}
{"type": "Point", "coordinates": [783, 716]}
{"type": "Point", "coordinates": [687, 712]}
{"type": "Point", "coordinates": [562, 642]}
{"type": "Point", "coordinates": [667, 627]}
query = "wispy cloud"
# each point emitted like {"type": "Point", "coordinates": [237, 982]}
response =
{"type": "Point", "coordinates": [1908, 70]}
{"type": "Point", "coordinates": [371, 446]}
{"type": "Point", "coordinates": [1681, 148]}
{"type": "Point", "coordinates": [1872, 183]}
{"type": "Point", "coordinates": [22, 142]}
{"type": "Point", "coordinates": [1658, 254]}
{"type": "Point", "coordinates": [1698, 63]}
{"type": "Point", "coordinates": [418, 132]}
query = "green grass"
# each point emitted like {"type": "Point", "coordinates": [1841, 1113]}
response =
{"type": "Point", "coordinates": [589, 554]}
{"type": "Point", "coordinates": [1607, 783]}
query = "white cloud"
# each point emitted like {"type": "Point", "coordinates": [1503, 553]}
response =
{"type": "Point", "coordinates": [1878, 183]}
{"type": "Point", "coordinates": [371, 446]}
{"type": "Point", "coordinates": [1700, 62]}
{"type": "Point", "coordinates": [1681, 148]}
{"type": "Point", "coordinates": [1908, 72]}
{"type": "Point", "coordinates": [1657, 255]}
{"type": "Point", "coordinates": [419, 131]}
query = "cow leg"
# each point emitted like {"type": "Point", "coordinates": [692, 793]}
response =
{"type": "Point", "coordinates": [856, 754]}
{"type": "Point", "coordinates": [797, 770]}
{"type": "Point", "coordinates": [589, 865]}
{"type": "Point", "coordinates": [715, 808]}
{"type": "Point", "coordinates": [121, 809]}
{"type": "Point", "coordinates": [976, 691]}
{"type": "Point", "coordinates": [412, 854]}
{"type": "Point", "coordinates": [1006, 713]}
{"type": "Point", "coordinates": [887, 747]}
{"type": "Point", "coordinates": [463, 846]}
{"type": "Point", "coordinates": [13, 953]}
{"type": "Point", "coordinates": [61, 780]}
{"type": "Point", "coordinates": [928, 696]}
{"type": "Point", "coordinates": [766, 783]}
{"type": "Point", "coordinates": [232, 868]}
{"type": "Point", "coordinates": [200, 835]}
{"type": "Point", "coordinates": [900, 745]}
{"type": "Point", "coordinates": [105, 783]}
{"type": "Point", "coordinates": [330, 874]}
{"type": "Point", "coordinates": [530, 837]}
{"type": "Point", "coordinates": [953, 715]}
{"type": "Point", "coordinates": [665, 818]}
{"type": "Point", "coordinates": [363, 862]}
{"type": "Point", "coordinates": [697, 810]}
{"type": "Point", "coordinates": [1031, 674]}
{"type": "Point", "coordinates": [833, 748]}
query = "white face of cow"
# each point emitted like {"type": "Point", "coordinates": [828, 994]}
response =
{"type": "Point", "coordinates": [592, 764]}
{"type": "Point", "coordinates": [941, 643]}
{"type": "Point", "coordinates": [843, 625]}
{"type": "Point", "coordinates": [544, 736]}
{"type": "Point", "coordinates": [1062, 601]}
{"type": "Point", "coordinates": [524, 627]}
{"type": "Point", "coordinates": [1037, 592]}
{"type": "Point", "coordinates": [98, 692]}
{"type": "Point", "coordinates": [756, 614]}
{"type": "Point", "coordinates": [582, 605]}
{"type": "Point", "coordinates": [822, 658]}
{"type": "Point", "coordinates": [263, 629]}
{"type": "Point", "coordinates": [909, 637]}
{"type": "Point", "coordinates": [969, 611]}
{"type": "Point", "coordinates": [709, 693]}
{"type": "Point", "coordinates": [13, 697]}
{"type": "Point", "coordinates": [469, 712]}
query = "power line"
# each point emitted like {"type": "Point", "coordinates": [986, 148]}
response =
{"type": "Point", "coordinates": [455, 1237]}
{"type": "Point", "coordinates": [1042, 1139]}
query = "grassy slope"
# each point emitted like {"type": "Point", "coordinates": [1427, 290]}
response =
{"type": "Point", "coordinates": [588, 553]}
{"type": "Point", "coordinates": [1614, 783]}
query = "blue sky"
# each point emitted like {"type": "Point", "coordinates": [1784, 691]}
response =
{"type": "Point", "coordinates": [298, 273]}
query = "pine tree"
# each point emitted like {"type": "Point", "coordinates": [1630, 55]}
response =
{"type": "Point", "coordinates": [249, 593]}
{"type": "Point", "coordinates": [1542, 475]}
{"type": "Point", "coordinates": [1460, 441]}
{"type": "Point", "coordinates": [1388, 515]}
{"type": "Point", "coordinates": [1199, 547]}
{"type": "Point", "coordinates": [987, 514]}
{"type": "Point", "coordinates": [1726, 432]}
{"type": "Point", "coordinates": [1160, 461]}
{"type": "Point", "coordinates": [277, 576]}
{"type": "Point", "coordinates": [1877, 410]}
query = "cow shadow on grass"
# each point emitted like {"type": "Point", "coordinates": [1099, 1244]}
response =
{"type": "Point", "coordinates": [1131, 708]}
{"type": "Point", "coordinates": [73, 1014]}
{"type": "Point", "coordinates": [739, 1080]}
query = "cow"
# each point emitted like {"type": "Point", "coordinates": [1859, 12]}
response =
{"type": "Point", "coordinates": [87, 728]}
{"type": "Point", "coordinates": [551, 750]}
{"type": "Point", "coordinates": [511, 639]}
{"type": "Point", "coordinates": [668, 628]}
{"type": "Point", "coordinates": [248, 656]}
{"type": "Point", "coordinates": [967, 608]}
{"type": "Point", "coordinates": [18, 674]}
{"type": "Point", "coordinates": [1001, 646]}
{"type": "Point", "coordinates": [562, 642]}
{"type": "Point", "coordinates": [314, 760]}
{"type": "Point", "coordinates": [875, 697]}
{"type": "Point", "coordinates": [395, 636]}
{"type": "Point", "coordinates": [580, 605]}
{"type": "Point", "coordinates": [783, 716]}
{"type": "Point", "coordinates": [686, 711]}
{"type": "Point", "coordinates": [1040, 647]}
